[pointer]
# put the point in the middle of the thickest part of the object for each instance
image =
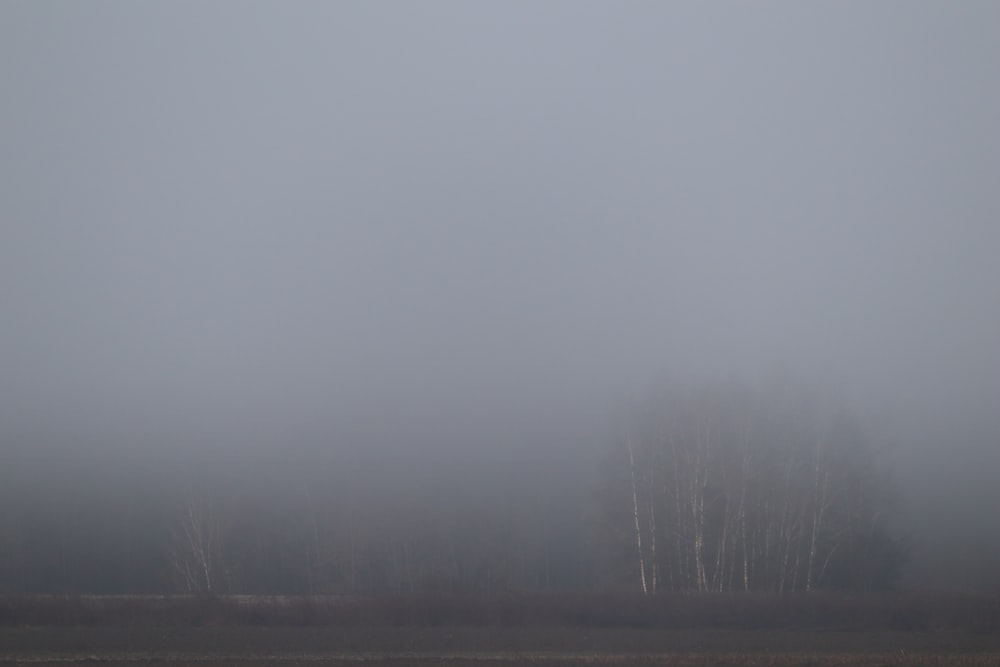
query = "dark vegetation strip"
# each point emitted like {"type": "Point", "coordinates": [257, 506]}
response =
{"type": "Point", "coordinates": [871, 612]}
{"type": "Point", "coordinates": [293, 643]}
{"type": "Point", "coordinates": [681, 660]}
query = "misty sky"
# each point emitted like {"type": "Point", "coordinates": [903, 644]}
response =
{"type": "Point", "coordinates": [482, 224]}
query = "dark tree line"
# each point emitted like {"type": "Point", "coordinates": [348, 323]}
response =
{"type": "Point", "coordinates": [728, 489]}
{"type": "Point", "coordinates": [339, 544]}
{"type": "Point", "coordinates": [313, 527]}
{"type": "Point", "coordinates": [724, 489]}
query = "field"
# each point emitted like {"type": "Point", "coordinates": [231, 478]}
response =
{"type": "Point", "coordinates": [536, 631]}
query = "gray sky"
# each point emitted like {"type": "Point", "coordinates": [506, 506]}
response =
{"type": "Point", "coordinates": [412, 223]}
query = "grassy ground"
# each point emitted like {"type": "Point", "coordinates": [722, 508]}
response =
{"type": "Point", "coordinates": [554, 630]}
{"type": "Point", "coordinates": [470, 646]}
{"type": "Point", "coordinates": [692, 660]}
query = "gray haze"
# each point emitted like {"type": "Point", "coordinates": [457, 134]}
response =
{"type": "Point", "coordinates": [470, 229]}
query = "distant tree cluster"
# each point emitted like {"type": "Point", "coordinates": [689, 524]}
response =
{"type": "Point", "coordinates": [728, 489]}
{"type": "Point", "coordinates": [333, 543]}
{"type": "Point", "coordinates": [275, 528]}
{"type": "Point", "coordinates": [724, 489]}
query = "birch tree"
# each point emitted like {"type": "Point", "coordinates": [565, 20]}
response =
{"type": "Point", "coordinates": [731, 489]}
{"type": "Point", "coordinates": [196, 546]}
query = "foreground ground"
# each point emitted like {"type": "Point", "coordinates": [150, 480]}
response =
{"type": "Point", "coordinates": [563, 630]}
{"type": "Point", "coordinates": [483, 646]}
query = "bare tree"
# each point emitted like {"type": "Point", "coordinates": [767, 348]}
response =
{"type": "Point", "coordinates": [196, 544]}
{"type": "Point", "coordinates": [732, 490]}
{"type": "Point", "coordinates": [635, 514]}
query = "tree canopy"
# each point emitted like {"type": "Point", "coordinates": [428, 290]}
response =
{"type": "Point", "coordinates": [728, 488]}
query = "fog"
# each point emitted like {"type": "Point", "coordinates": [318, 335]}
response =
{"type": "Point", "coordinates": [428, 238]}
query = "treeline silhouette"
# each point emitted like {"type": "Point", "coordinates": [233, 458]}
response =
{"type": "Point", "coordinates": [721, 488]}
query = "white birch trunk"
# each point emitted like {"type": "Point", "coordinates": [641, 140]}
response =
{"type": "Point", "coordinates": [635, 514]}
